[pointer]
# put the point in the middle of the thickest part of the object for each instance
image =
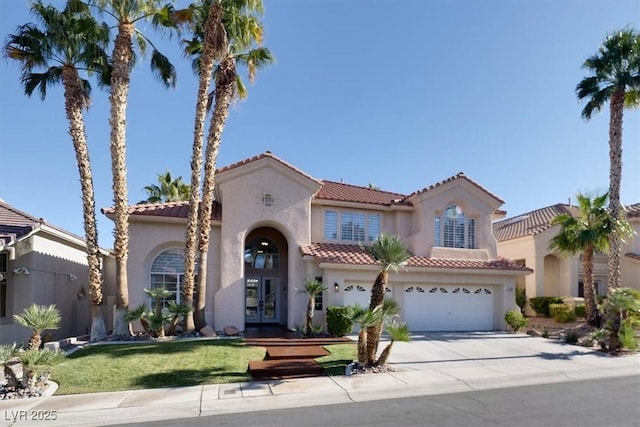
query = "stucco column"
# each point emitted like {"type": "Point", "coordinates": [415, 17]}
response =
{"type": "Point", "coordinates": [229, 304]}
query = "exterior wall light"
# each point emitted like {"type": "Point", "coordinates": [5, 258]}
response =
{"type": "Point", "coordinates": [336, 287]}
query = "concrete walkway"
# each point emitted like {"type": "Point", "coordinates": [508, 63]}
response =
{"type": "Point", "coordinates": [433, 363]}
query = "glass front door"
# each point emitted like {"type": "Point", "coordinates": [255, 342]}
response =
{"type": "Point", "coordinates": [261, 299]}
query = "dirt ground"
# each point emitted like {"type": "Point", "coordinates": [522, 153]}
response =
{"type": "Point", "coordinates": [541, 326]}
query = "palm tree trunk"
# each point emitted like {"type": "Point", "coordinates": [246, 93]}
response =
{"type": "Point", "coordinates": [615, 177]}
{"type": "Point", "coordinates": [35, 341]}
{"type": "Point", "coordinates": [74, 105]}
{"type": "Point", "coordinates": [206, 71]}
{"type": "Point", "coordinates": [373, 332]}
{"type": "Point", "coordinates": [590, 303]}
{"type": "Point", "coordinates": [384, 356]}
{"type": "Point", "coordinates": [362, 346]}
{"type": "Point", "coordinates": [310, 308]}
{"type": "Point", "coordinates": [224, 92]}
{"type": "Point", "coordinates": [122, 60]}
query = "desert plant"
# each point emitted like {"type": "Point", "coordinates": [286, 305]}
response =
{"type": "Point", "coordinates": [397, 332]}
{"type": "Point", "coordinates": [312, 288]}
{"type": "Point", "coordinates": [541, 304]}
{"type": "Point", "coordinates": [365, 317]}
{"type": "Point", "coordinates": [140, 313]}
{"type": "Point", "coordinates": [177, 311]}
{"type": "Point", "coordinates": [339, 320]}
{"type": "Point", "coordinates": [571, 337]}
{"type": "Point", "coordinates": [521, 298]}
{"type": "Point", "coordinates": [516, 320]}
{"type": "Point", "coordinates": [158, 318]}
{"type": "Point", "coordinates": [580, 311]}
{"type": "Point", "coordinates": [38, 318]}
{"type": "Point", "coordinates": [600, 336]}
{"type": "Point", "coordinates": [8, 353]}
{"type": "Point", "coordinates": [562, 313]}
{"type": "Point", "coordinates": [35, 366]}
{"type": "Point", "coordinates": [621, 312]}
{"type": "Point", "coordinates": [545, 333]}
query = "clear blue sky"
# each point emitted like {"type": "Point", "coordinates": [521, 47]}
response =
{"type": "Point", "coordinates": [401, 94]}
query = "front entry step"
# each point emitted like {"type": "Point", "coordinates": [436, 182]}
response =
{"type": "Point", "coordinates": [296, 352]}
{"type": "Point", "coordinates": [284, 368]}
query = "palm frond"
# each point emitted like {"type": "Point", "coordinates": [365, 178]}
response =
{"type": "Point", "coordinates": [39, 317]}
{"type": "Point", "coordinates": [163, 69]}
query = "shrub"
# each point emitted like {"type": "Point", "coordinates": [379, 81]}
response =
{"type": "Point", "coordinates": [521, 298]}
{"type": "Point", "coordinates": [541, 304]}
{"type": "Point", "coordinates": [339, 320]}
{"type": "Point", "coordinates": [562, 313]}
{"type": "Point", "coordinates": [580, 311]}
{"type": "Point", "coordinates": [571, 337]}
{"type": "Point", "coordinates": [516, 320]}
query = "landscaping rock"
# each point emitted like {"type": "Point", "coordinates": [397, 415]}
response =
{"type": "Point", "coordinates": [231, 331]}
{"type": "Point", "coordinates": [534, 333]}
{"type": "Point", "coordinates": [208, 332]}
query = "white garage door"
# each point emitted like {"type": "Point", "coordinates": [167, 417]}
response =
{"type": "Point", "coordinates": [360, 294]}
{"type": "Point", "coordinates": [449, 308]}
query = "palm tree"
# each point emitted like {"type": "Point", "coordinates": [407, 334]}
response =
{"type": "Point", "coordinates": [177, 311]}
{"type": "Point", "coordinates": [312, 288]}
{"type": "Point", "coordinates": [365, 317]}
{"type": "Point", "coordinates": [615, 80]}
{"type": "Point", "coordinates": [157, 320]}
{"type": "Point", "coordinates": [390, 254]}
{"type": "Point", "coordinates": [128, 13]}
{"type": "Point", "coordinates": [226, 32]}
{"type": "Point", "coordinates": [68, 42]}
{"type": "Point", "coordinates": [38, 318]}
{"type": "Point", "coordinates": [33, 361]}
{"type": "Point", "coordinates": [585, 233]}
{"type": "Point", "coordinates": [8, 353]}
{"type": "Point", "coordinates": [398, 332]}
{"type": "Point", "coordinates": [620, 308]}
{"type": "Point", "coordinates": [168, 190]}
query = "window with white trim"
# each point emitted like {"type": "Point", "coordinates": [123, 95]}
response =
{"type": "Point", "coordinates": [354, 226]}
{"type": "Point", "coordinates": [167, 271]}
{"type": "Point", "coordinates": [454, 230]}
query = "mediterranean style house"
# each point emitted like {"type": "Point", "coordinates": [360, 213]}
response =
{"type": "Point", "coordinates": [43, 264]}
{"type": "Point", "coordinates": [525, 238]}
{"type": "Point", "coordinates": [274, 226]}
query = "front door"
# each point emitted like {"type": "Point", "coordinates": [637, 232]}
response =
{"type": "Point", "coordinates": [261, 299]}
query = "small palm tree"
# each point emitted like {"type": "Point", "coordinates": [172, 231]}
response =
{"type": "Point", "coordinates": [8, 353]}
{"type": "Point", "coordinates": [177, 311]}
{"type": "Point", "coordinates": [167, 190]}
{"type": "Point", "coordinates": [312, 288]}
{"type": "Point", "coordinates": [141, 314]}
{"type": "Point", "coordinates": [34, 362]}
{"type": "Point", "coordinates": [38, 318]}
{"type": "Point", "coordinates": [390, 253]}
{"type": "Point", "coordinates": [586, 233]}
{"type": "Point", "coordinates": [620, 308]}
{"type": "Point", "coordinates": [397, 332]}
{"type": "Point", "coordinates": [157, 320]}
{"type": "Point", "coordinates": [364, 317]}
{"type": "Point", "coordinates": [615, 80]}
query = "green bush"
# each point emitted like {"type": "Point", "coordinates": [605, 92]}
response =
{"type": "Point", "coordinates": [541, 304]}
{"type": "Point", "coordinates": [580, 311]}
{"type": "Point", "coordinates": [562, 313]}
{"type": "Point", "coordinates": [339, 320]}
{"type": "Point", "coordinates": [516, 320]}
{"type": "Point", "coordinates": [521, 298]}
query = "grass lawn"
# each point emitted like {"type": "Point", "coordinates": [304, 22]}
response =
{"type": "Point", "coordinates": [134, 366]}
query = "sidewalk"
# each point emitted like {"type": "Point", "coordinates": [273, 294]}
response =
{"type": "Point", "coordinates": [433, 363]}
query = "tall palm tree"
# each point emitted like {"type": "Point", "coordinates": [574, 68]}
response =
{"type": "Point", "coordinates": [312, 288]}
{"type": "Point", "coordinates": [231, 35]}
{"type": "Point", "coordinates": [38, 318]}
{"type": "Point", "coordinates": [167, 190]}
{"type": "Point", "coordinates": [615, 80]}
{"type": "Point", "coordinates": [390, 253]}
{"type": "Point", "coordinates": [68, 42]}
{"type": "Point", "coordinates": [127, 14]}
{"type": "Point", "coordinates": [585, 233]}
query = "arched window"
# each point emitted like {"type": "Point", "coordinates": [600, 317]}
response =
{"type": "Point", "coordinates": [261, 253]}
{"type": "Point", "coordinates": [167, 271]}
{"type": "Point", "coordinates": [454, 229]}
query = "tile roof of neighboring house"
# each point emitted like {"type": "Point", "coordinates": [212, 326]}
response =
{"type": "Point", "coordinates": [352, 193]}
{"type": "Point", "coordinates": [337, 253]}
{"type": "Point", "coordinates": [633, 256]}
{"type": "Point", "coordinates": [166, 210]}
{"type": "Point", "coordinates": [529, 224]}
{"type": "Point", "coordinates": [460, 175]}
{"type": "Point", "coordinates": [535, 222]}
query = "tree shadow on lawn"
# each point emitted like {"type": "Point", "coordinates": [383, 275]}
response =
{"type": "Point", "coordinates": [190, 377]}
{"type": "Point", "coordinates": [136, 348]}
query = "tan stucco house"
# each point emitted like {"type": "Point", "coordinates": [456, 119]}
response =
{"type": "Point", "coordinates": [525, 238]}
{"type": "Point", "coordinates": [274, 226]}
{"type": "Point", "coordinates": [44, 264]}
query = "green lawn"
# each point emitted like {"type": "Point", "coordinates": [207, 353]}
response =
{"type": "Point", "coordinates": [134, 366]}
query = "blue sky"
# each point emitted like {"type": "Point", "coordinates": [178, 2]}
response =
{"type": "Point", "coordinates": [401, 94]}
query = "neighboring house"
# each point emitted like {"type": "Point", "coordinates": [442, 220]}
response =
{"type": "Point", "coordinates": [43, 264]}
{"type": "Point", "coordinates": [525, 239]}
{"type": "Point", "coordinates": [274, 226]}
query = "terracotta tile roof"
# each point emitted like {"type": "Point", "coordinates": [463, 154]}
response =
{"type": "Point", "coordinates": [460, 175]}
{"type": "Point", "coordinates": [337, 253]}
{"type": "Point", "coordinates": [633, 256]}
{"type": "Point", "coordinates": [266, 154]}
{"type": "Point", "coordinates": [529, 224]}
{"type": "Point", "coordinates": [633, 211]}
{"type": "Point", "coordinates": [352, 193]}
{"type": "Point", "coordinates": [15, 223]}
{"type": "Point", "coordinates": [166, 210]}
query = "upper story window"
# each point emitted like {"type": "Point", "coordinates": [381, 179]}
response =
{"type": "Point", "coordinates": [167, 271]}
{"type": "Point", "coordinates": [454, 230]}
{"type": "Point", "coordinates": [354, 226]}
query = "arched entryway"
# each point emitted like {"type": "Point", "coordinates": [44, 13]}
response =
{"type": "Point", "coordinates": [265, 277]}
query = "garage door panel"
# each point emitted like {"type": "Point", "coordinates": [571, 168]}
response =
{"type": "Point", "coordinates": [449, 308]}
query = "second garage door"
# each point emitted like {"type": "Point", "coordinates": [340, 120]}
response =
{"type": "Point", "coordinates": [449, 308]}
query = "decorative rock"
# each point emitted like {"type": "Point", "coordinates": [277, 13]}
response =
{"type": "Point", "coordinates": [231, 331]}
{"type": "Point", "coordinates": [533, 333]}
{"type": "Point", "coordinates": [208, 332]}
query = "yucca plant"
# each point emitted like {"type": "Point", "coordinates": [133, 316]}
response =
{"type": "Point", "coordinates": [36, 362]}
{"type": "Point", "coordinates": [365, 317]}
{"type": "Point", "coordinates": [397, 332]}
{"type": "Point", "coordinates": [177, 311]}
{"type": "Point", "coordinates": [312, 288]}
{"type": "Point", "coordinates": [7, 353]}
{"type": "Point", "coordinates": [38, 318]}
